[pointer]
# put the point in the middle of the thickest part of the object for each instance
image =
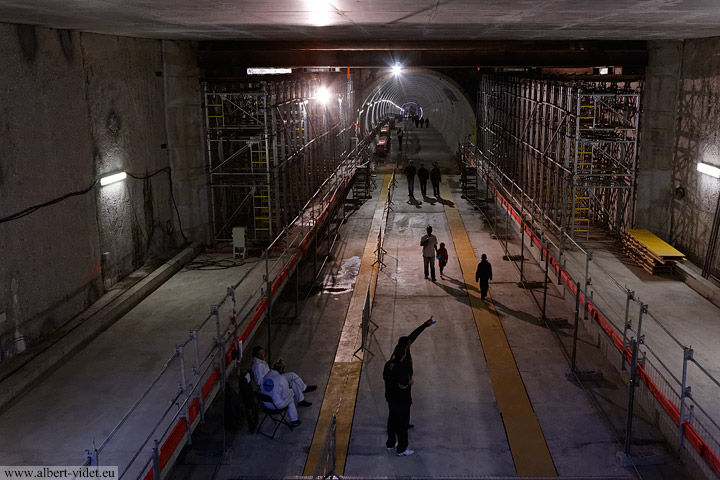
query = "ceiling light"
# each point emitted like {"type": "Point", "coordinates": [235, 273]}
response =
{"type": "Point", "coordinates": [397, 69]}
{"type": "Point", "coordinates": [708, 169]}
{"type": "Point", "coordinates": [116, 177]}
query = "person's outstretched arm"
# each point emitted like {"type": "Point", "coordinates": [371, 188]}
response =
{"type": "Point", "coordinates": [416, 333]}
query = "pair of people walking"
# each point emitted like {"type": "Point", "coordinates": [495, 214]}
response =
{"type": "Point", "coordinates": [431, 251]}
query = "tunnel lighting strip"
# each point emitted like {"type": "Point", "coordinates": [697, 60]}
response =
{"type": "Point", "coordinates": [268, 71]}
{"type": "Point", "coordinates": [708, 169]}
{"type": "Point", "coordinates": [113, 178]}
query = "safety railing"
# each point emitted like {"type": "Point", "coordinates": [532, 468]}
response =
{"type": "Point", "coordinates": [201, 363]}
{"type": "Point", "coordinates": [675, 380]}
{"type": "Point", "coordinates": [379, 257]}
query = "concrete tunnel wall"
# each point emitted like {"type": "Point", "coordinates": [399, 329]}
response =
{"type": "Point", "coordinates": [77, 106]}
{"type": "Point", "coordinates": [680, 126]}
{"type": "Point", "coordinates": [443, 102]}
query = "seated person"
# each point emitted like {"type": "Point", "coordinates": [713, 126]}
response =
{"type": "Point", "coordinates": [276, 387]}
{"type": "Point", "coordinates": [260, 369]}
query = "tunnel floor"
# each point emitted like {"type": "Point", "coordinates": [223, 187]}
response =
{"type": "Point", "coordinates": [459, 428]}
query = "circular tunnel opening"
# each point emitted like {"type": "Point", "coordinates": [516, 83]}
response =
{"type": "Point", "coordinates": [429, 94]}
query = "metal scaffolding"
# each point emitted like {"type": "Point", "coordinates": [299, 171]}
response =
{"type": "Point", "coordinates": [568, 145]}
{"type": "Point", "coordinates": [270, 147]}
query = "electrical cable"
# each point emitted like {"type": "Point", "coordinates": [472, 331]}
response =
{"type": "Point", "coordinates": [34, 208]}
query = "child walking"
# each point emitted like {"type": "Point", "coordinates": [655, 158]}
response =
{"type": "Point", "coordinates": [442, 256]}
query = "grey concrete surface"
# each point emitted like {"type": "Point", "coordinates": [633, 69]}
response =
{"type": "Point", "coordinates": [20, 374]}
{"type": "Point", "coordinates": [80, 402]}
{"type": "Point", "coordinates": [458, 428]}
{"type": "Point", "coordinates": [73, 112]}
{"type": "Point", "coordinates": [376, 20]}
{"type": "Point", "coordinates": [657, 137]}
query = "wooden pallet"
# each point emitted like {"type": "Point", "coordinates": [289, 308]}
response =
{"type": "Point", "coordinates": [650, 252]}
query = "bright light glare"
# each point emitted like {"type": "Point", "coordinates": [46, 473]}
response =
{"type": "Point", "coordinates": [604, 70]}
{"type": "Point", "coordinates": [323, 95]}
{"type": "Point", "coordinates": [113, 178]}
{"type": "Point", "coordinates": [708, 169]}
{"type": "Point", "coordinates": [397, 69]}
{"type": "Point", "coordinates": [321, 13]}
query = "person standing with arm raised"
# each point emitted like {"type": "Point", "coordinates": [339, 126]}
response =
{"type": "Point", "coordinates": [397, 374]}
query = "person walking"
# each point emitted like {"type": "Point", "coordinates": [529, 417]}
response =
{"type": "Point", "coordinates": [484, 274]}
{"type": "Point", "coordinates": [400, 135]}
{"type": "Point", "coordinates": [442, 256]}
{"type": "Point", "coordinates": [429, 244]}
{"type": "Point", "coordinates": [435, 179]}
{"type": "Point", "coordinates": [397, 374]}
{"type": "Point", "coordinates": [410, 174]}
{"type": "Point", "coordinates": [423, 174]}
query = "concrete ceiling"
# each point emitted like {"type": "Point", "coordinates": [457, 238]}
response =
{"type": "Point", "coordinates": [365, 20]}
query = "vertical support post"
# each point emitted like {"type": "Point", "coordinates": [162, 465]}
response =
{"type": "Point", "coordinates": [588, 257]}
{"type": "Point", "coordinates": [183, 387]}
{"type": "Point", "coordinates": [633, 380]}
{"type": "Point", "coordinates": [507, 228]}
{"type": "Point", "coordinates": [268, 297]}
{"type": "Point", "coordinates": [196, 371]}
{"type": "Point", "coordinates": [545, 289]}
{"type": "Point", "coordinates": [684, 392]}
{"type": "Point", "coordinates": [219, 344]}
{"type": "Point", "coordinates": [560, 256]}
{"type": "Point", "coordinates": [156, 460]}
{"type": "Point", "coordinates": [315, 242]}
{"type": "Point", "coordinates": [575, 328]}
{"type": "Point", "coordinates": [522, 249]}
{"type": "Point", "coordinates": [92, 457]}
{"type": "Point", "coordinates": [628, 325]}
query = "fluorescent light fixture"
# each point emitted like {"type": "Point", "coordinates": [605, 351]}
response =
{"type": "Point", "coordinates": [268, 71]}
{"type": "Point", "coordinates": [397, 69]}
{"type": "Point", "coordinates": [708, 169]}
{"type": "Point", "coordinates": [116, 177]}
{"type": "Point", "coordinates": [323, 94]}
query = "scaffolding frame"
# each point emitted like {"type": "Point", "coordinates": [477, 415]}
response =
{"type": "Point", "coordinates": [568, 145]}
{"type": "Point", "coordinates": [270, 145]}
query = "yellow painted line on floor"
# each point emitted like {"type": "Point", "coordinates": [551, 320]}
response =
{"type": "Point", "coordinates": [527, 442]}
{"type": "Point", "coordinates": [341, 392]}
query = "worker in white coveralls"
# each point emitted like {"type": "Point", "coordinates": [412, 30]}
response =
{"type": "Point", "coordinates": [276, 387]}
{"type": "Point", "coordinates": [260, 369]}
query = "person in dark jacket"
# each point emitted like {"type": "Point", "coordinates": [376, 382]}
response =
{"type": "Point", "coordinates": [423, 174]}
{"type": "Point", "coordinates": [397, 375]}
{"type": "Point", "coordinates": [435, 180]}
{"type": "Point", "coordinates": [400, 137]}
{"type": "Point", "coordinates": [410, 174]}
{"type": "Point", "coordinates": [484, 274]}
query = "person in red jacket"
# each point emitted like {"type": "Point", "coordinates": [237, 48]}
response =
{"type": "Point", "coordinates": [442, 256]}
